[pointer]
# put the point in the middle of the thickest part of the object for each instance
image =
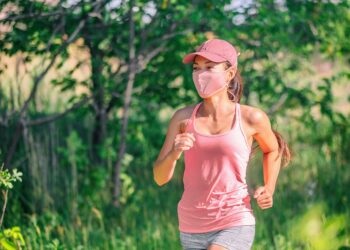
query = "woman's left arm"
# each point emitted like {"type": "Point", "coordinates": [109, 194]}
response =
{"type": "Point", "coordinates": [271, 160]}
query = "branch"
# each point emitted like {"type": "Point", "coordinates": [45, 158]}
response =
{"type": "Point", "coordinates": [72, 37]}
{"type": "Point", "coordinates": [54, 117]}
{"type": "Point", "coordinates": [4, 194]}
{"type": "Point", "coordinates": [31, 15]}
{"type": "Point", "coordinates": [20, 124]}
{"type": "Point", "coordinates": [143, 60]}
{"type": "Point", "coordinates": [145, 56]}
{"type": "Point", "coordinates": [60, 26]}
{"type": "Point", "coordinates": [41, 14]}
{"type": "Point", "coordinates": [112, 101]}
{"type": "Point", "coordinates": [41, 76]}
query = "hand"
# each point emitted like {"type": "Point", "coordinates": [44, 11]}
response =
{"type": "Point", "coordinates": [183, 141]}
{"type": "Point", "coordinates": [263, 197]}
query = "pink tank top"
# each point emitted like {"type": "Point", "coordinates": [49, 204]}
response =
{"type": "Point", "coordinates": [215, 190]}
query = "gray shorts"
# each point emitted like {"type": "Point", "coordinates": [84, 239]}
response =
{"type": "Point", "coordinates": [232, 238]}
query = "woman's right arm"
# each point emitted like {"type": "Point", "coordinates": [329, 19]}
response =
{"type": "Point", "coordinates": [175, 142]}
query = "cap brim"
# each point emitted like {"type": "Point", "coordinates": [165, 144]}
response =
{"type": "Point", "coordinates": [212, 57]}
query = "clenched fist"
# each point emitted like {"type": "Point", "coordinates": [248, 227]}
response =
{"type": "Point", "coordinates": [263, 197]}
{"type": "Point", "coordinates": [183, 141]}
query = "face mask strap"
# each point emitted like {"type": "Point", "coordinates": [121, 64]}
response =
{"type": "Point", "coordinates": [234, 96]}
{"type": "Point", "coordinates": [228, 87]}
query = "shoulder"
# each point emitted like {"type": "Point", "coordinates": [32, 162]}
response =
{"type": "Point", "coordinates": [182, 115]}
{"type": "Point", "coordinates": [254, 116]}
{"type": "Point", "coordinates": [184, 112]}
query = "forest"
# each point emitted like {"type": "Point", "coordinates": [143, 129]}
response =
{"type": "Point", "coordinates": [87, 91]}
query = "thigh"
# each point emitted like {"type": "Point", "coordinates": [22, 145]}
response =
{"type": "Point", "coordinates": [237, 237]}
{"type": "Point", "coordinates": [194, 241]}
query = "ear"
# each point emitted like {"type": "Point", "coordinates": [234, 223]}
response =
{"type": "Point", "coordinates": [230, 74]}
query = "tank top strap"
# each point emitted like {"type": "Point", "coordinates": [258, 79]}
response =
{"type": "Point", "coordinates": [239, 116]}
{"type": "Point", "coordinates": [189, 121]}
{"type": "Point", "coordinates": [195, 111]}
{"type": "Point", "coordinates": [235, 116]}
{"type": "Point", "coordinates": [238, 108]}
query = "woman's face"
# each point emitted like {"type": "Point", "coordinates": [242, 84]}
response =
{"type": "Point", "coordinates": [203, 63]}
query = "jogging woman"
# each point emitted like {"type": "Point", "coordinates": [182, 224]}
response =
{"type": "Point", "coordinates": [216, 136]}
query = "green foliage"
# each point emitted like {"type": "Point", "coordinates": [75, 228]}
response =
{"type": "Point", "coordinates": [316, 230]}
{"type": "Point", "coordinates": [75, 151]}
{"type": "Point", "coordinates": [128, 184]}
{"type": "Point", "coordinates": [276, 40]}
{"type": "Point", "coordinates": [11, 239]}
{"type": "Point", "coordinates": [7, 179]}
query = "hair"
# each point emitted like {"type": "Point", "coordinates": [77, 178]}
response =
{"type": "Point", "coordinates": [234, 91]}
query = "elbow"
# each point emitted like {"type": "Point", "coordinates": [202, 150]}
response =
{"type": "Point", "coordinates": [271, 151]}
{"type": "Point", "coordinates": [156, 178]}
{"type": "Point", "coordinates": [159, 182]}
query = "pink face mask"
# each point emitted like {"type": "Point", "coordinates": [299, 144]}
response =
{"type": "Point", "coordinates": [209, 83]}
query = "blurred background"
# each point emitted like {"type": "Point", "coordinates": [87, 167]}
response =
{"type": "Point", "coordinates": [87, 90]}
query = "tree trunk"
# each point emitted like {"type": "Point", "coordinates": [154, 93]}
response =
{"type": "Point", "coordinates": [100, 125]}
{"type": "Point", "coordinates": [127, 101]}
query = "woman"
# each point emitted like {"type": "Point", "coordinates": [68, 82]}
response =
{"type": "Point", "coordinates": [216, 136]}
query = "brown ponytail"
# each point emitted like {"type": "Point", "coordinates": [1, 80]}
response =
{"type": "Point", "coordinates": [234, 92]}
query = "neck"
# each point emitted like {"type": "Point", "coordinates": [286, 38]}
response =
{"type": "Point", "coordinates": [217, 107]}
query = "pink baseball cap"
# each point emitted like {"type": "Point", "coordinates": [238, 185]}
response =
{"type": "Point", "coordinates": [216, 50]}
